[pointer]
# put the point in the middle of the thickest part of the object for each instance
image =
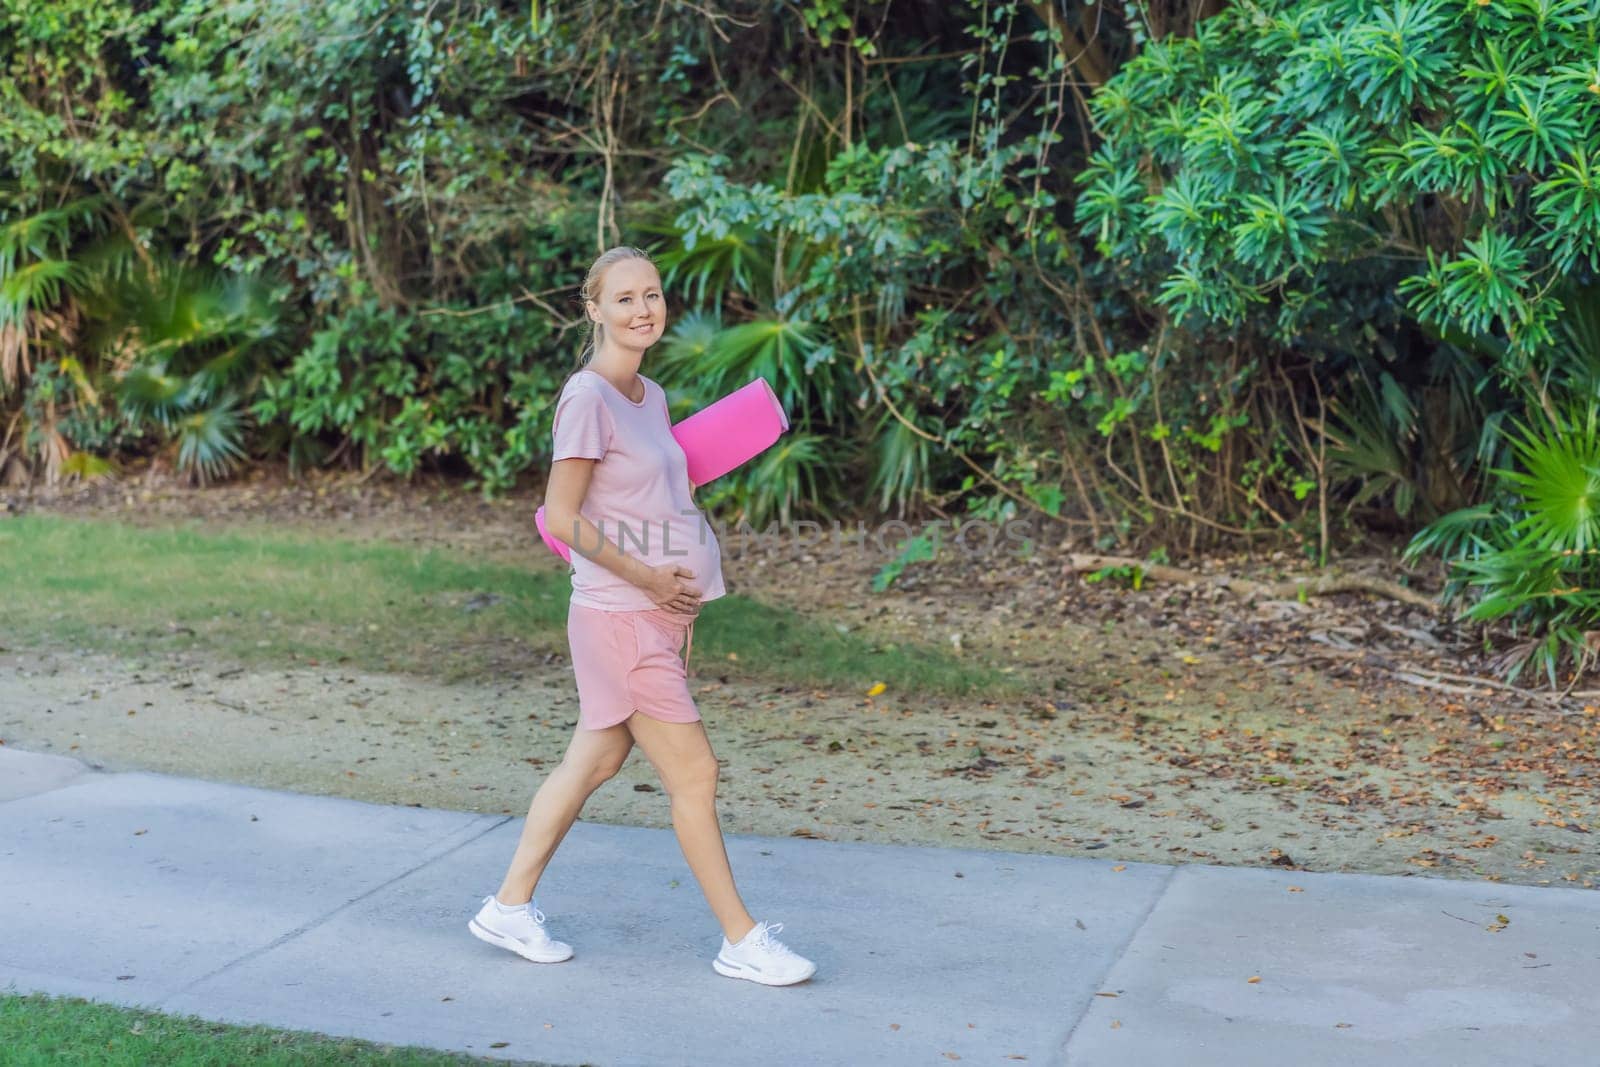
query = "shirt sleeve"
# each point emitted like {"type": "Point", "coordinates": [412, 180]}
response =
{"type": "Point", "coordinates": [582, 426]}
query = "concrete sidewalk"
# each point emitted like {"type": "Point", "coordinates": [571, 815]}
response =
{"type": "Point", "coordinates": [315, 913]}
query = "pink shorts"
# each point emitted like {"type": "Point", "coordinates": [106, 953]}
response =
{"type": "Point", "coordinates": [627, 661]}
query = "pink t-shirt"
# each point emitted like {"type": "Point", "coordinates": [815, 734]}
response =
{"type": "Point", "coordinates": [638, 494]}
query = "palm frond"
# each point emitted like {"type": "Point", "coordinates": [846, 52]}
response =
{"type": "Point", "coordinates": [196, 321]}
{"type": "Point", "coordinates": [740, 262]}
{"type": "Point", "coordinates": [1460, 534]}
{"type": "Point", "coordinates": [37, 285]}
{"type": "Point", "coordinates": [1575, 356]}
{"type": "Point", "coordinates": [796, 470]}
{"type": "Point", "coordinates": [1367, 433]}
{"type": "Point", "coordinates": [789, 473]}
{"type": "Point", "coordinates": [676, 361]}
{"type": "Point", "coordinates": [901, 464]}
{"type": "Point", "coordinates": [210, 442]}
{"type": "Point", "coordinates": [148, 393]}
{"type": "Point", "coordinates": [1560, 482]}
{"type": "Point", "coordinates": [774, 349]}
{"type": "Point", "coordinates": [48, 234]}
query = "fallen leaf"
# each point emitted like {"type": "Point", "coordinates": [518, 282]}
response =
{"type": "Point", "coordinates": [875, 690]}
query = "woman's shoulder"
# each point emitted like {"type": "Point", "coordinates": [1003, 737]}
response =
{"type": "Point", "coordinates": [579, 381]}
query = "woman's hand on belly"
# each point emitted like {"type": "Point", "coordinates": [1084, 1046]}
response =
{"type": "Point", "coordinates": [666, 586]}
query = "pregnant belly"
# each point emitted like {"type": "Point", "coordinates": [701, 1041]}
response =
{"type": "Point", "coordinates": [693, 544]}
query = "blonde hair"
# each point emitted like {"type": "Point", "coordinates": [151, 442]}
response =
{"type": "Point", "coordinates": [590, 290]}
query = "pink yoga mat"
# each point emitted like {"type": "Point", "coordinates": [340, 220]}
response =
{"type": "Point", "coordinates": [560, 548]}
{"type": "Point", "coordinates": [715, 440]}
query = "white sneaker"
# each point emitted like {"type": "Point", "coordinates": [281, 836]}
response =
{"type": "Point", "coordinates": [760, 957]}
{"type": "Point", "coordinates": [522, 931]}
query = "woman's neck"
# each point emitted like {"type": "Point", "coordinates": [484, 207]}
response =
{"type": "Point", "coordinates": [626, 385]}
{"type": "Point", "coordinates": [619, 367]}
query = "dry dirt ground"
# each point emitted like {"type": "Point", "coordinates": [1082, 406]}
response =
{"type": "Point", "coordinates": [1171, 724]}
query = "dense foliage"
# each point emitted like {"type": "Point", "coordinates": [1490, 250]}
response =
{"type": "Point", "coordinates": [375, 216]}
{"type": "Point", "coordinates": [1403, 201]}
{"type": "Point", "coordinates": [1171, 274]}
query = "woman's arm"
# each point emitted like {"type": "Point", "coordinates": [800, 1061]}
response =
{"type": "Point", "coordinates": [563, 496]}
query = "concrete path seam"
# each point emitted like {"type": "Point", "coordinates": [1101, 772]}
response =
{"type": "Point", "coordinates": [1116, 957]}
{"type": "Point", "coordinates": [87, 773]}
{"type": "Point", "coordinates": [320, 920]}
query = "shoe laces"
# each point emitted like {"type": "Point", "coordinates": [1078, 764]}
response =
{"type": "Point", "coordinates": [765, 940]}
{"type": "Point", "coordinates": [533, 912]}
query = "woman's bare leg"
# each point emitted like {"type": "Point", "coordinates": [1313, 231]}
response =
{"type": "Point", "coordinates": [592, 757]}
{"type": "Point", "coordinates": [682, 756]}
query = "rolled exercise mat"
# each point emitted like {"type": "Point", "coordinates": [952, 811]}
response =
{"type": "Point", "coordinates": [560, 548]}
{"type": "Point", "coordinates": [715, 440]}
{"type": "Point", "coordinates": [734, 430]}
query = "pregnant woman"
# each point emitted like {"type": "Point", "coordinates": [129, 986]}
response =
{"type": "Point", "coordinates": [643, 561]}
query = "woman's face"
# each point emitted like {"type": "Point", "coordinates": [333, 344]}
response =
{"type": "Point", "coordinates": [631, 308]}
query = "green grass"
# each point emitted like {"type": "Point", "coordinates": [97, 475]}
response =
{"type": "Point", "coordinates": [288, 598]}
{"type": "Point", "coordinates": [40, 1030]}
